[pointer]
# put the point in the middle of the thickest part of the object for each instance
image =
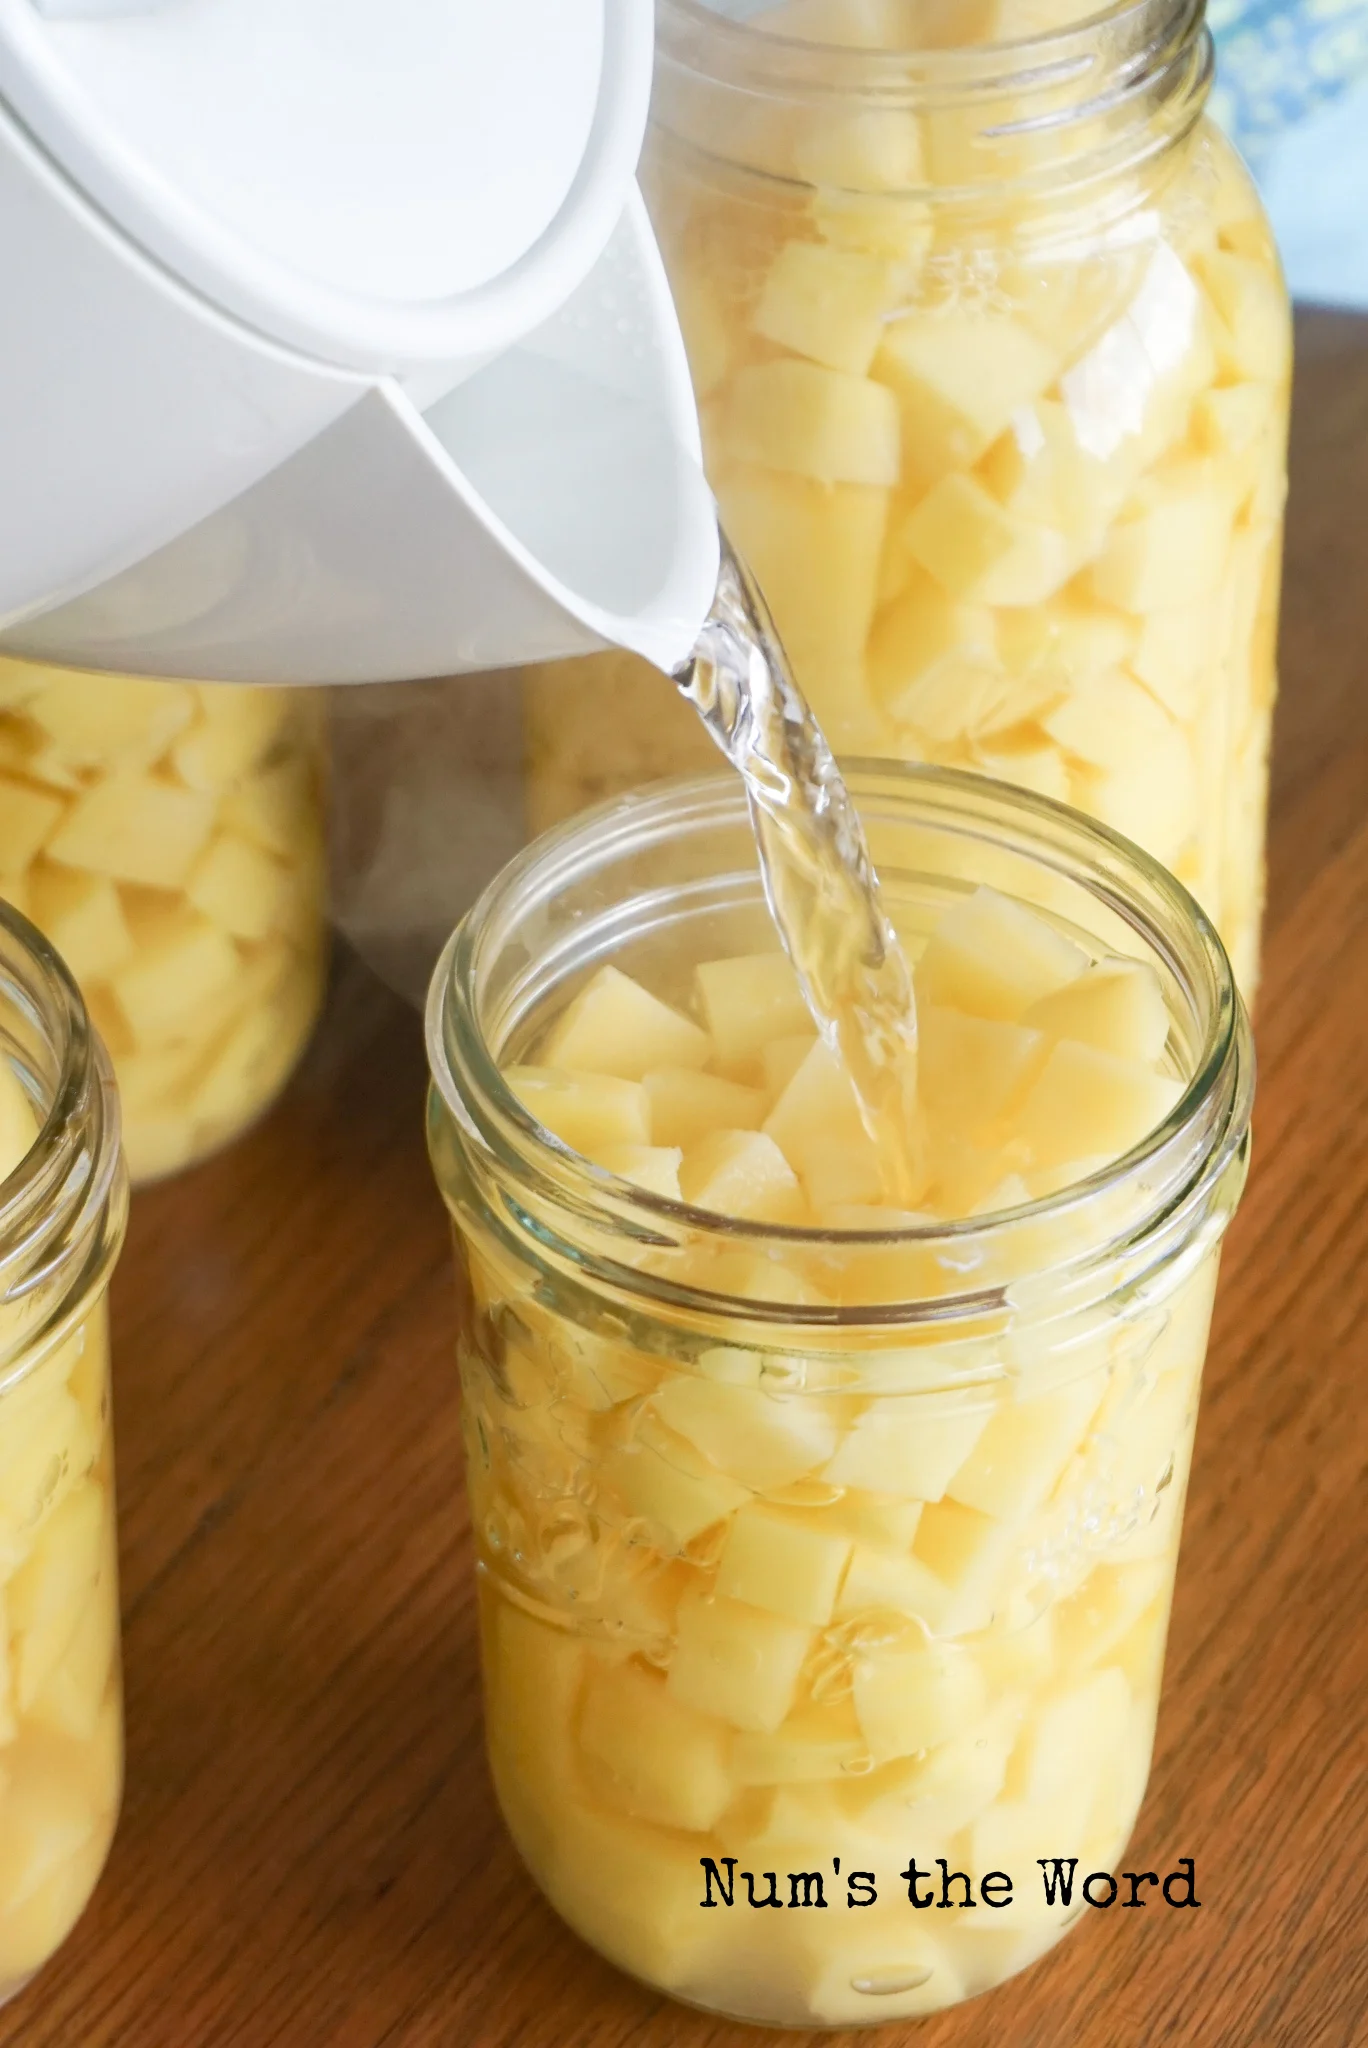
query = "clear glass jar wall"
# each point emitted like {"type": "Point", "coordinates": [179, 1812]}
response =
{"type": "Point", "coordinates": [63, 1201]}
{"type": "Point", "coordinates": [803, 1544]}
{"type": "Point", "coordinates": [169, 839]}
{"type": "Point", "coordinates": [993, 355]}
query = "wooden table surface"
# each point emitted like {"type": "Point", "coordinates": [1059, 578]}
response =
{"type": "Point", "coordinates": [310, 1855]}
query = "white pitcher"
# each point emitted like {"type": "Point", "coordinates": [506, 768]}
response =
{"type": "Point", "coordinates": [334, 344]}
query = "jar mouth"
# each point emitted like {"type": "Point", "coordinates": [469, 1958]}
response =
{"type": "Point", "coordinates": [64, 1206]}
{"type": "Point", "coordinates": [1151, 1191]}
{"type": "Point", "coordinates": [1058, 108]}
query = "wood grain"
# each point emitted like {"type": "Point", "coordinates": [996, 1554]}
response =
{"type": "Point", "coordinates": [310, 1855]}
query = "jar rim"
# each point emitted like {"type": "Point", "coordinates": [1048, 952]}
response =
{"type": "Point", "coordinates": [1177, 1164]}
{"type": "Point", "coordinates": [63, 1208]}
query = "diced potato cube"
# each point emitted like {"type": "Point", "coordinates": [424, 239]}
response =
{"type": "Point", "coordinates": [136, 829]}
{"type": "Point", "coordinates": [913, 1456]}
{"type": "Point", "coordinates": [1109, 722]}
{"type": "Point", "coordinates": [686, 1106]}
{"type": "Point", "coordinates": [71, 1696]}
{"type": "Point", "coordinates": [782, 1058]}
{"type": "Point", "coordinates": [970, 1554]}
{"type": "Point", "coordinates": [1175, 652]}
{"type": "Point", "coordinates": [1039, 472]}
{"type": "Point", "coordinates": [236, 728]}
{"type": "Point", "coordinates": [534, 1676]}
{"type": "Point", "coordinates": [816, 550]}
{"type": "Point", "coordinates": [898, 227]}
{"type": "Point", "coordinates": [48, 1594]}
{"type": "Point", "coordinates": [974, 1070]}
{"type": "Point", "coordinates": [45, 1821]}
{"type": "Point", "coordinates": [1016, 1463]}
{"type": "Point", "coordinates": [911, 1700]}
{"type": "Point", "coordinates": [240, 887]}
{"type": "Point", "coordinates": [826, 304]}
{"type": "Point", "coordinates": [817, 1125]}
{"type": "Point", "coordinates": [662, 1480]}
{"type": "Point", "coordinates": [990, 956]}
{"type": "Point", "coordinates": [737, 1662]}
{"type": "Point", "coordinates": [882, 1521]}
{"type": "Point", "coordinates": [874, 149]}
{"type": "Point", "coordinates": [1076, 1742]}
{"type": "Point", "coordinates": [815, 1744]}
{"type": "Point", "coordinates": [933, 662]}
{"type": "Point", "coordinates": [179, 973]}
{"type": "Point", "coordinates": [879, 1582]}
{"type": "Point", "coordinates": [1088, 1105]}
{"type": "Point", "coordinates": [959, 376]}
{"type": "Point", "coordinates": [1011, 1835]}
{"type": "Point", "coordinates": [28, 819]}
{"type": "Point", "coordinates": [1066, 643]}
{"type": "Point", "coordinates": [743, 1174]}
{"type": "Point", "coordinates": [708, 329]}
{"type": "Point", "coordinates": [83, 917]}
{"type": "Point", "coordinates": [982, 553]}
{"type": "Point", "coordinates": [633, 1893]}
{"type": "Point", "coordinates": [46, 1448]}
{"type": "Point", "coordinates": [815, 422]}
{"type": "Point", "coordinates": [1029, 766]}
{"type": "Point", "coordinates": [929, 1799]}
{"type": "Point", "coordinates": [765, 1441]}
{"type": "Point", "coordinates": [1173, 547]}
{"type": "Point", "coordinates": [1116, 1005]}
{"type": "Point", "coordinates": [615, 1026]}
{"type": "Point", "coordinates": [653, 1167]}
{"type": "Point", "coordinates": [587, 1112]}
{"type": "Point", "coordinates": [747, 1001]}
{"type": "Point", "coordinates": [125, 722]}
{"type": "Point", "coordinates": [659, 1759]}
{"type": "Point", "coordinates": [277, 807]}
{"type": "Point", "coordinates": [785, 1562]}
{"type": "Point", "coordinates": [1105, 1608]}
{"type": "Point", "coordinates": [1253, 324]}
{"type": "Point", "coordinates": [1152, 799]}
{"type": "Point", "coordinates": [1130, 395]}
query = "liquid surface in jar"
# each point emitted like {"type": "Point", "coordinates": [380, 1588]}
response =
{"type": "Point", "coordinates": [767, 1598]}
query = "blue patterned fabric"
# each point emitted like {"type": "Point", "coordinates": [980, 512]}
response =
{"type": "Point", "coordinates": [1292, 90]}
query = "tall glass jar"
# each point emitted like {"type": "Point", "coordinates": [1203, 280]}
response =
{"type": "Point", "coordinates": [810, 1551]}
{"type": "Point", "coordinates": [993, 355]}
{"type": "Point", "coordinates": [169, 839]}
{"type": "Point", "coordinates": [63, 1205]}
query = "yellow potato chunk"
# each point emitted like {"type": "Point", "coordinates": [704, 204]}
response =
{"type": "Point", "coordinates": [1016, 1463]}
{"type": "Point", "coordinates": [48, 1594]}
{"type": "Point", "coordinates": [614, 1026]}
{"type": "Point", "coordinates": [235, 728]}
{"type": "Point", "coordinates": [634, 1894]}
{"type": "Point", "coordinates": [1088, 1104]}
{"type": "Point", "coordinates": [1076, 1742]}
{"type": "Point", "coordinates": [816, 550]}
{"type": "Point", "coordinates": [277, 807]}
{"type": "Point", "coordinates": [912, 1456]}
{"type": "Point", "coordinates": [933, 660]}
{"type": "Point", "coordinates": [811, 1746]}
{"type": "Point", "coordinates": [587, 1112]}
{"type": "Point", "coordinates": [69, 1700]}
{"type": "Point", "coordinates": [969, 1553]}
{"type": "Point", "coordinates": [749, 1000]}
{"type": "Point", "coordinates": [181, 970]}
{"type": "Point", "coordinates": [45, 1821]}
{"type": "Point", "coordinates": [1253, 329]}
{"type": "Point", "coordinates": [653, 1167]}
{"type": "Point", "coordinates": [911, 1700]}
{"type": "Point", "coordinates": [661, 1478]}
{"type": "Point", "coordinates": [658, 1759]}
{"type": "Point", "coordinates": [1116, 1005]}
{"type": "Point", "coordinates": [817, 1125]}
{"type": "Point", "coordinates": [84, 918]}
{"type": "Point", "coordinates": [991, 957]}
{"type": "Point", "coordinates": [874, 149]}
{"type": "Point", "coordinates": [928, 1799]}
{"type": "Point", "coordinates": [1039, 471]}
{"type": "Point", "coordinates": [784, 1562]}
{"type": "Point", "coordinates": [135, 828]}
{"type": "Point", "coordinates": [1173, 546]}
{"type": "Point", "coordinates": [737, 1662]}
{"type": "Point", "coordinates": [959, 376]}
{"type": "Point", "coordinates": [744, 1174]}
{"type": "Point", "coordinates": [881, 1582]}
{"type": "Point", "coordinates": [982, 553]}
{"type": "Point", "coordinates": [815, 422]}
{"type": "Point", "coordinates": [28, 819]}
{"type": "Point", "coordinates": [973, 1071]}
{"type": "Point", "coordinates": [240, 887]}
{"type": "Point", "coordinates": [765, 1440]}
{"type": "Point", "coordinates": [18, 1121]}
{"type": "Point", "coordinates": [826, 304]}
{"type": "Point", "coordinates": [534, 1675]}
{"type": "Point", "coordinates": [122, 722]}
{"type": "Point", "coordinates": [687, 1105]}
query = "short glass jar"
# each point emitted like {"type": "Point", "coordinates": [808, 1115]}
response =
{"type": "Point", "coordinates": [993, 355]}
{"type": "Point", "coordinates": [169, 839]}
{"type": "Point", "coordinates": [63, 1206]}
{"type": "Point", "coordinates": [945, 1463]}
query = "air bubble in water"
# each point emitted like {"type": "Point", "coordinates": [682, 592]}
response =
{"type": "Point", "coordinates": [890, 1983]}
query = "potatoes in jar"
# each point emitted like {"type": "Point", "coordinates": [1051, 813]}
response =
{"type": "Point", "coordinates": [1007, 460]}
{"type": "Point", "coordinates": [168, 838]}
{"type": "Point", "coordinates": [818, 1606]}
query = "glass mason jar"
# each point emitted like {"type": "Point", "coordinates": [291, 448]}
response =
{"type": "Point", "coordinates": [63, 1205]}
{"type": "Point", "coordinates": [814, 1551]}
{"type": "Point", "coordinates": [169, 839]}
{"type": "Point", "coordinates": [993, 355]}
